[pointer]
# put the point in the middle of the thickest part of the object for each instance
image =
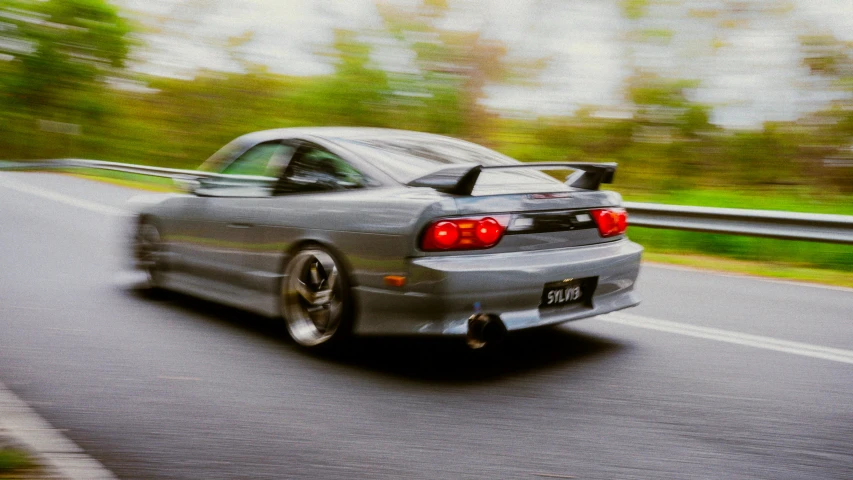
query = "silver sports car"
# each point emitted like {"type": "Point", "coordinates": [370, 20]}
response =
{"type": "Point", "coordinates": [345, 231]}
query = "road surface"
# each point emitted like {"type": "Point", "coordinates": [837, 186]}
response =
{"type": "Point", "coordinates": [713, 376]}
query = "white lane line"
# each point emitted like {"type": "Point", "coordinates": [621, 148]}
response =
{"type": "Point", "coordinates": [728, 336]}
{"type": "Point", "coordinates": [58, 452]}
{"type": "Point", "coordinates": [62, 198]}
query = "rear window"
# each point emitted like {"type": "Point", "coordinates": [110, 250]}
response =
{"type": "Point", "coordinates": [406, 159]}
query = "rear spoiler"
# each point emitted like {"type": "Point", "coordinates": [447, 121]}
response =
{"type": "Point", "coordinates": [460, 179]}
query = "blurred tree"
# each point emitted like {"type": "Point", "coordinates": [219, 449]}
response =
{"type": "Point", "coordinates": [832, 148]}
{"type": "Point", "coordinates": [57, 57]}
{"type": "Point", "coordinates": [664, 102]}
{"type": "Point", "coordinates": [59, 47]}
{"type": "Point", "coordinates": [668, 148]}
{"type": "Point", "coordinates": [358, 92]}
{"type": "Point", "coordinates": [826, 55]}
{"type": "Point", "coordinates": [634, 9]}
{"type": "Point", "coordinates": [451, 68]}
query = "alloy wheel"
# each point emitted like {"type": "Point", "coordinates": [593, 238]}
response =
{"type": "Point", "coordinates": [313, 296]}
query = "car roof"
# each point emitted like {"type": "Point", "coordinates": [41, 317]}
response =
{"type": "Point", "coordinates": [331, 135]}
{"type": "Point", "coordinates": [339, 136]}
{"type": "Point", "coordinates": [342, 133]}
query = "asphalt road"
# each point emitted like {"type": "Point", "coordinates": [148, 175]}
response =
{"type": "Point", "coordinates": [172, 387]}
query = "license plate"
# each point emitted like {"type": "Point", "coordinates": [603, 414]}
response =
{"type": "Point", "coordinates": [568, 292]}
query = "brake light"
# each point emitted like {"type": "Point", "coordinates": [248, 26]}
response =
{"type": "Point", "coordinates": [444, 234]}
{"type": "Point", "coordinates": [464, 233]}
{"type": "Point", "coordinates": [610, 221]}
{"type": "Point", "coordinates": [489, 231]}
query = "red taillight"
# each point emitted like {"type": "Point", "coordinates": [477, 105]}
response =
{"type": "Point", "coordinates": [444, 234]}
{"type": "Point", "coordinates": [464, 233]}
{"type": "Point", "coordinates": [611, 221]}
{"type": "Point", "coordinates": [489, 231]}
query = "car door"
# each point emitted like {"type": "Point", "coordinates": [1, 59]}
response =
{"type": "Point", "coordinates": [219, 220]}
{"type": "Point", "coordinates": [297, 208]}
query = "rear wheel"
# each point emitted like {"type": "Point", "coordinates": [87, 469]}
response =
{"type": "Point", "coordinates": [148, 249]}
{"type": "Point", "coordinates": [315, 298]}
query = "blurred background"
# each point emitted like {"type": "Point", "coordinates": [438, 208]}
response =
{"type": "Point", "coordinates": [702, 102]}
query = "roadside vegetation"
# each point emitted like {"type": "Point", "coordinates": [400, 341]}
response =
{"type": "Point", "coordinates": [15, 463]}
{"type": "Point", "coordinates": [58, 102]}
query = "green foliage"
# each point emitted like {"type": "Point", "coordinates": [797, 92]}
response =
{"type": "Point", "coordinates": [13, 460]}
{"type": "Point", "coordinates": [451, 67]}
{"type": "Point", "coordinates": [59, 46]}
{"type": "Point", "coordinates": [829, 256]}
{"type": "Point", "coordinates": [788, 198]}
{"type": "Point", "coordinates": [655, 35]}
{"type": "Point", "coordinates": [357, 92]}
{"type": "Point", "coordinates": [826, 55]}
{"type": "Point", "coordinates": [667, 152]}
{"type": "Point", "coordinates": [634, 9]}
{"type": "Point", "coordinates": [647, 89]}
{"type": "Point", "coordinates": [58, 55]}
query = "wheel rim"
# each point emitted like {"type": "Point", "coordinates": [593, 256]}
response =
{"type": "Point", "coordinates": [148, 250]}
{"type": "Point", "coordinates": [311, 297]}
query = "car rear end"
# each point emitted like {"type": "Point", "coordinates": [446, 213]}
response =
{"type": "Point", "coordinates": [558, 259]}
{"type": "Point", "coordinates": [510, 262]}
{"type": "Point", "coordinates": [521, 250]}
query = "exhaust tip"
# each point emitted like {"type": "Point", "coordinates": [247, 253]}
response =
{"type": "Point", "coordinates": [485, 329]}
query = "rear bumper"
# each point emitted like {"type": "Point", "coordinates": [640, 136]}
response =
{"type": "Point", "coordinates": [444, 291]}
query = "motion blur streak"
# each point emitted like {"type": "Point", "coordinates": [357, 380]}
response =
{"type": "Point", "coordinates": [745, 104]}
{"type": "Point", "coordinates": [175, 388]}
{"type": "Point", "coordinates": [758, 341]}
{"type": "Point", "coordinates": [59, 197]}
{"type": "Point", "coordinates": [60, 454]}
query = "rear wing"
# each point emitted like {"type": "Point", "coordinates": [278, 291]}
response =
{"type": "Point", "coordinates": [460, 179]}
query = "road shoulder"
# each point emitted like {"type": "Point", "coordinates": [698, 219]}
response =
{"type": "Point", "coordinates": [59, 456]}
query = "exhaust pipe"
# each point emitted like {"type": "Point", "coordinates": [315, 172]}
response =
{"type": "Point", "coordinates": [485, 329]}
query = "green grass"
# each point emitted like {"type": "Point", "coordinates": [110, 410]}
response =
{"type": "Point", "coordinates": [13, 461]}
{"type": "Point", "coordinates": [787, 252]}
{"type": "Point", "coordinates": [787, 199]}
{"type": "Point", "coordinates": [759, 269]}
{"type": "Point", "coordinates": [825, 263]}
{"type": "Point", "coordinates": [795, 260]}
{"type": "Point", "coordinates": [124, 179]}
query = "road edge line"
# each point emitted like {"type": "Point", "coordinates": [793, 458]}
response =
{"type": "Point", "coordinates": [57, 453]}
{"type": "Point", "coordinates": [730, 336]}
{"type": "Point", "coordinates": [24, 187]}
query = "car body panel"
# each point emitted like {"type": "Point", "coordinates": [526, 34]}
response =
{"type": "Point", "coordinates": [445, 291]}
{"type": "Point", "coordinates": [231, 240]}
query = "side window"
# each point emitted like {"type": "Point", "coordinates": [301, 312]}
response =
{"type": "Point", "coordinates": [314, 169]}
{"type": "Point", "coordinates": [263, 160]}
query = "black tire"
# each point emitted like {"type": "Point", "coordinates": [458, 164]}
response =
{"type": "Point", "coordinates": [148, 248]}
{"type": "Point", "coordinates": [316, 301]}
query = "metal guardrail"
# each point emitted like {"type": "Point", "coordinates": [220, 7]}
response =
{"type": "Point", "coordinates": [68, 163]}
{"type": "Point", "coordinates": [181, 177]}
{"type": "Point", "coordinates": [812, 227]}
{"type": "Point", "coordinates": [758, 223]}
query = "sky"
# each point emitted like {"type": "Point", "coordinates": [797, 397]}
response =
{"type": "Point", "coordinates": [748, 58]}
